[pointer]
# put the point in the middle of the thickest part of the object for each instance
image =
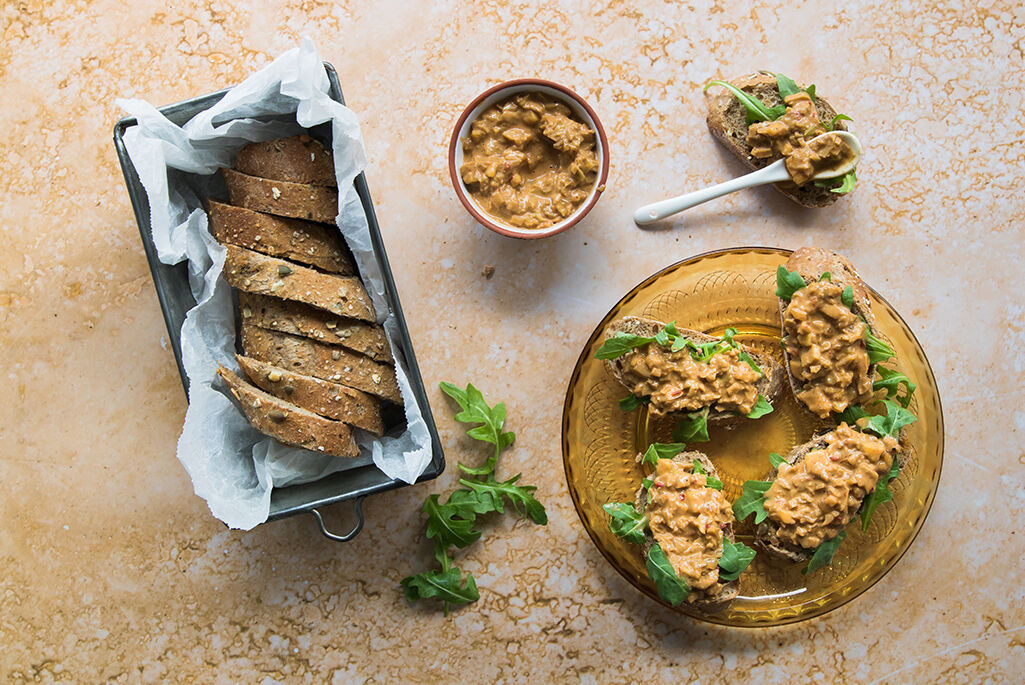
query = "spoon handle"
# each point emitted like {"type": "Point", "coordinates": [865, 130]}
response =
{"type": "Point", "coordinates": [774, 173]}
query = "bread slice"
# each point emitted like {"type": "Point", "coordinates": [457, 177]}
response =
{"type": "Point", "coordinates": [727, 120]}
{"type": "Point", "coordinates": [326, 362]}
{"type": "Point", "coordinates": [282, 198]}
{"type": "Point", "coordinates": [810, 263]}
{"type": "Point", "coordinates": [302, 241]}
{"type": "Point", "coordinates": [768, 386]}
{"type": "Point", "coordinates": [310, 322]}
{"type": "Point", "coordinates": [699, 599]}
{"type": "Point", "coordinates": [766, 532]}
{"type": "Point", "coordinates": [297, 159]}
{"type": "Point", "coordinates": [288, 423]}
{"type": "Point", "coordinates": [328, 399]}
{"type": "Point", "coordinates": [253, 272]}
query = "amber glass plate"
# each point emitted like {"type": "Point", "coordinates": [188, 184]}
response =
{"type": "Point", "coordinates": [709, 293]}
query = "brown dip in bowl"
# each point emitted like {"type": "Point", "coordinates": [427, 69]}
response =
{"type": "Point", "coordinates": [528, 158]}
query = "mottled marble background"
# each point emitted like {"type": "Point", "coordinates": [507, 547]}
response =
{"type": "Point", "coordinates": [110, 568]}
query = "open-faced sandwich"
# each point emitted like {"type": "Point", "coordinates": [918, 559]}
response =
{"type": "Point", "coordinates": [686, 527]}
{"type": "Point", "coordinates": [701, 378]}
{"type": "Point", "coordinates": [802, 509]}
{"type": "Point", "coordinates": [830, 348]}
{"type": "Point", "coordinates": [764, 117]}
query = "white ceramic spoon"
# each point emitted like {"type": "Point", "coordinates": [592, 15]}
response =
{"type": "Point", "coordinates": [774, 173]}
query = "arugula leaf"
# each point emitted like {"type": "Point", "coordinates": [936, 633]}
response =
{"type": "Point", "coordinates": [736, 557]}
{"type": "Point", "coordinates": [826, 276]}
{"type": "Point", "coordinates": [838, 117]}
{"type": "Point", "coordinates": [619, 344]}
{"type": "Point", "coordinates": [823, 555]}
{"type": "Point", "coordinates": [520, 496]}
{"type": "Point", "coordinates": [468, 505]}
{"type": "Point", "coordinates": [891, 381]}
{"type": "Point", "coordinates": [632, 401]}
{"type": "Point", "coordinates": [847, 297]}
{"type": "Point", "coordinates": [710, 481]}
{"type": "Point", "coordinates": [476, 410]}
{"type": "Point", "coordinates": [670, 586]}
{"type": "Point", "coordinates": [749, 360]}
{"type": "Point", "coordinates": [810, 90]}
{"type": "Point", "coordinates": [878, 351]}
{"type": "Point", "coordinates": [761, 408]}
{"type": "Point", "coordinates": [752, 500]}
{"type": "Point", "coordinates": [627, 522]}
{"type": "Point", "coordinates": [896, 418]}
{"type": "Point", "coordinates": [756, 109]}
{"type": "Point", "coordinates": [851, 415]}
{"type": "Point", "coordinates": [447, 585]}
{"type": "Point", "coordinates": [693, 427]}
{"type": "Point", "coordinates": [879, 495]}
{"type": "Point", "coordinates": [647, 483]}
{"type": "Point", "coordinates": [787, 282]}
{"type": "Point", "coordinates": [446, 526]}
{"type": "Point", "coordinates": [776, 460]}
{"type": "Point", "coordinates": [786, 86]}
{"type": "Point", "coordinates": [667, 335]}
{"type": "Point", "coordinates": [661, 450]}
{"type": "Point", "coordinates": [849, 180]}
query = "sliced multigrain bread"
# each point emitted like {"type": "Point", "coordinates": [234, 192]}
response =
{"type": "Point", "coordinates": [719, 596]}
{"type": "Point", "coordinates": [299, 240]}
{"type": "Point", "coordinates": [727, 120]}
{"type": "Point", "coordinates": [322, 397]}
{"type": "Point", "coordinates": [768, 385]}
{"type": "Point", "coordinates": [288, 423]}
{"type": "Point", "coordinates": [282, 198]}
{"type": "Point", "coordinates": [257, 273]}
{"type": "Point", "coordinates": [326, 362]}
{"type": "Point", "coordinates": [298, 159]}
{"type": "Point", "coordinates": [811, 263]}
{"type": "Point", "coordinates": [310, 322]}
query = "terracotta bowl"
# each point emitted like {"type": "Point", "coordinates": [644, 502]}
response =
{"type": "Point", "coordinates": [503, 90]}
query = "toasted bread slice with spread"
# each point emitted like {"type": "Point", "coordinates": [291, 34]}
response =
{"type": "Point", "coordinates": [256, 273]}
{"type": "Point", "coordinates": [326, 362]}
{"type": "Point", "coordinates": [282, 198]}
{"type": "Point", "coordinates": [297, 159]}
{"type": "Point", "coordinates": [811, 263]}
{"type": "Point", "coordinates": [719, 595]}
{"type": "Point", "coordinates": [310, 322]}
{"type": "Point", "coordinates": [328, 399]}
{"type": "Point", "coordinates": [302, 241]}
{"type": "Point", "coordinates": [768, 385]}
{"type": "Point", "coordinates": [727, 120]}
{"type": "Point", "coordinates": [288, 423]}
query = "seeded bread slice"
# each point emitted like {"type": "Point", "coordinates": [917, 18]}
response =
{"type": "Point", "coordinates": [727, 120]}
{"type": "Point", "coordinates": [299, 240]}
{"type": "Point", "coordinates": [298, 159]}
{"type": "Point", "coordinates": [288, 423]}
{"type": "Point", "coordinates": [810, 263]}
{"type": "Point", "coordinates": [700, 599]}
{"type": "Point", "coordinates": [310, 322]}
{"type": "Point", "coordinates": [326, 362]}
{"type": "Point", "coordinates": [253, 272]}
{"type": "Point", "coordinates": [768, 386]}
{"type": "Point", "coordinates": [282, 198]}
{"type": "Point", "coordinates": [328, 399]}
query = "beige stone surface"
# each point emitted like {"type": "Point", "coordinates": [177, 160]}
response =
{"type": "Point", "coordinates": [112, 569]}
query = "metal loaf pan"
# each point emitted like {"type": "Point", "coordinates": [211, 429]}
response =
{"type": "Point", "coordinates": [176, 299]}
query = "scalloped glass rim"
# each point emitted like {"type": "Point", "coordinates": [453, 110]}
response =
{"type": "Point", "coordinates": [910, 506]}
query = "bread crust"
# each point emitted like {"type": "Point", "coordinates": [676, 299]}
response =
{"type": "Point", "coordinates": [328, 399]}
{"type": "Point", "coordinates": [726, 120]}
{"type": "Point", "coordinates": [731, 589]}
{"type": "Point", "coordinates": [326, 362]}
{"type": "Point", "coordinates": [768, 385]}
{"type": "Point", "coordinates": [282, 198]}
{"type": "Point", "coordinates": [810, 263]}
{"type": "Point", "coordinates": [297, 159]}
{"type": "Point", "coordinates": [288, 423]}
{"type": "Point", "coordinates": [257, 273]}
{"type": "Point", "coordinates": [298, 240]}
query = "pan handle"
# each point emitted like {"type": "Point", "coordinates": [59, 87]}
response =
{"type": "Point", "coordinates": [352, 533]}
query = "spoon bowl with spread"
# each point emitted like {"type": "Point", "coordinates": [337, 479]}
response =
{"type": "Point", "coordinates": [826, 156]}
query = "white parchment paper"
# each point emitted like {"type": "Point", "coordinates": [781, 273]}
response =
{"type": "Point", "coordinates": [232, 466]}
